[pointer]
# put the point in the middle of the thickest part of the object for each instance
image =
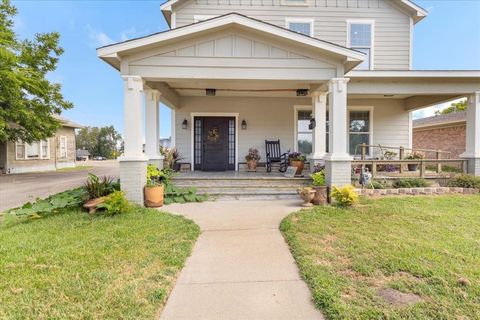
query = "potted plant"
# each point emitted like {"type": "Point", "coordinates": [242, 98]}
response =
{"type": "Point", "coordinates": [416, 155]}
{"type": "Point", "coordinates": [252, 158]}
{"type": "Point", "coordinates": [297, 160]}
{"type": "Point", "coordinates": [306, 194]}
{"type": "Point", "coordinates": [172, 158]}
{"type": "Point", "coordinates": [319, 185]}
{"type": "Point", "coordinates": [97, 189]}
{"type": "Point", "coordinates": [154, 188]}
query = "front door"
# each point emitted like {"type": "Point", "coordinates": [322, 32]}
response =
{"type": "Point", "coordinates": [215, 146]}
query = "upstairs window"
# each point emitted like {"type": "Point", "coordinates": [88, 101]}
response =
{"type": "Point", "coordinates": [360, 38]}
{"type": "Point", "coordinates": [303, 26]}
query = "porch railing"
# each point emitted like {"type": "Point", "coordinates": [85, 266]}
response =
{"type": "Point", "coordinates": [401, 163]}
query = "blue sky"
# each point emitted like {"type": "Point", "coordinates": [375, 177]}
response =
{"type": "Point", "coordinates": [448, 39]}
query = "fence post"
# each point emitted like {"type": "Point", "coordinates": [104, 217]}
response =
{"type": "Point", "coordinates": [364, 151]}
{"type": "Point", "coordinates": [374, 169]}
{"type": "Point", "coordinates": [401, 155]}
{"type": "Point", "coordinates": [422, 169]}
{"type": "Point", "coordinates": [439, 165]}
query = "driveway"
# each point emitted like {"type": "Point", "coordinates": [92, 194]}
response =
{"type": "Point", "coordinates": [241, 267]}
{"type": "Point", "coordinates": [16, 189]}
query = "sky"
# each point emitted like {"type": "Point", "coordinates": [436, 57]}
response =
{"type": "Point", "coordinates": [448, 39]}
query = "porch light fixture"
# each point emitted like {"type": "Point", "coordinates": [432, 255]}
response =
{"type": "Point", "coordinates": [244, 124]}
{"type": "Point", "coordinates": [312, 124]}
{"type": "Point", "coordinates": [211, 92]}
{"type": "Point", "coordinates": [185, 124]}
{"type": "Point", "coordinates": [302, 92]}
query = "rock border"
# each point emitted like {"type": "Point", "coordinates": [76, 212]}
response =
{"type": "Point", "coordinates": [416, 191]}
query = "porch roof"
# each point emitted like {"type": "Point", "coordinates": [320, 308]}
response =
{"type": "Point", "coordinates": [113, 54]}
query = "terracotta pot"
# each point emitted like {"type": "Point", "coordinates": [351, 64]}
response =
{"type": "Point", "coordinates": [252, 165]}
{"type": "Point", "coordinates": [412, 167]}
{"type": "Point", "coordinates": [320, 197]}
{"type": "Point", "coordinates": [92, 204]}
{"type": "Point", "coordinates": [154, 196]}
{"type": "Point", "coordinates": [299, 165]}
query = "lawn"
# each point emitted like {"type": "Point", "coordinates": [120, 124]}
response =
{"type": "Point", "coordinates": [426, 246]}
{"type": "Point", "coordinates": [72, 266]}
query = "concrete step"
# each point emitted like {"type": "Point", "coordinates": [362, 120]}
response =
{"type": "Point", "coordinates": [255, 194]}
{"type": "Point", "coordinates": [239, 182]}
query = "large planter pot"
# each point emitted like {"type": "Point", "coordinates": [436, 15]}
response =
{"type": "Point", "coordinates": [299, 165]}
{"type": "Point", "coordinates": [307, 197]}
{"type": "Point", "coordinates": [252, 165]}
{"type": "Point", "coordinates": [92, 204]}
{"type": "Point", "coordinates": [412, 167]}
{"type": "Point", "coordinates": [154, 196]}
{"type": "Point", "coordinates": [320, 197]}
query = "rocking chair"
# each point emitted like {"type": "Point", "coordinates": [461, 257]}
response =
{"type": "Point", "coordinates": [275, 155]}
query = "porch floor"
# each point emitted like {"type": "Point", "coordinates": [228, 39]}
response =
{"type": "Point", "coordinates": [236, 175]}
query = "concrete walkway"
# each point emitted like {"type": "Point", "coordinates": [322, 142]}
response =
{"type": "Point", "coordinates": [241, 267]}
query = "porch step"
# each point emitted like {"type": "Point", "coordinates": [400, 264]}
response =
{"type": "Point", "coordinates": [244, 188]}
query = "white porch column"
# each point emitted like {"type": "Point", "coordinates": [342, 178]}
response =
{"type": "Point", "coordinates": [133, 163]}
{"type": "Point", "coordinates": [472, 152]}
{"type": "Point", "coordinates": [152, 127]}
{"type": "Point", "coordinates": [319, 106]}
{"type": "Point", "coordinates": [338, 165]}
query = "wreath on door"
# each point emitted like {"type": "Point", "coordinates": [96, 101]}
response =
{"type": "Point", "coordinates": [213, 134]}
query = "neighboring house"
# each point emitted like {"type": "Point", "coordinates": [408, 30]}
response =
{"type": "Point", "coordinates": [443, 132]}
{"type": "Point", "coordinates": [235, 73]}
{"type": "Point", "coordinates": [83, 155]}
{"type": "Point", "coordinates": [53, 153]}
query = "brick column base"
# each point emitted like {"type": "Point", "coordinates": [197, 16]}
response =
{"type": "Point", "coordinates": [338, 172]}
{"type": "Point", "coordinates": [133, 177]}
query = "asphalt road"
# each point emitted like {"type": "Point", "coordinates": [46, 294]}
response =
{"type": "Point", "coordinates": [16, 189]}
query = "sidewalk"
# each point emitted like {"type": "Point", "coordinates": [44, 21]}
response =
{"type": "Point", "coordinates": [241, 267]}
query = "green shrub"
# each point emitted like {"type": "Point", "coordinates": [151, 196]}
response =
{"type": "Point", "coordinates": [115, 203]}
{"type": "Point", "coordinates": [465, 181]}
{"type": "Point", "coordinates": [411, 183]}
{"type": "Point", "coordinates": [345, 196]}
{"type": "Point", "coordinates": [318, 178]}
{"type": "Point", "coordinates": [99, 187]}
{"type": "Point", "coordinates": [178, 195]}
{"type": "Point", "coordinates": [377, 185]}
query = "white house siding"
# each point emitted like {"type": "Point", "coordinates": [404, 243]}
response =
{"type": "Point", "coordinates": [273, 118]}
{"type": "Point", "coordinates": [392, 25]}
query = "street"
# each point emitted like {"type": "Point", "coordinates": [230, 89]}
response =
{"type": "Point", "coordinates": [16, 189]}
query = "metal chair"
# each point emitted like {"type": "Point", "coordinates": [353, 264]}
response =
{"type": "Point", "coordinates": [274, 154]}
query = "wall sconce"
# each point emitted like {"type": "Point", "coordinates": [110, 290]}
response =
{"type": "Point", "coordinates": [244, 124]}
{"type": "Point", "coordinates": [185, 124]}
{"type": "Point", "coordinates": [210, 92]}
{"type": "Point", "coordinates": [302, 92]}
{"type": "Point", "coordinates": [312, 124]}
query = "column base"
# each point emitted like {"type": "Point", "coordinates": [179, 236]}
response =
{"type": "Point", "coordinates": [338, 172]}
{"type": "Point", "coordinates": [473, 165]}
{"type": "Point", "coordinates": [156, 161]}
{"type": "Point", "coordinates": [133, 178]}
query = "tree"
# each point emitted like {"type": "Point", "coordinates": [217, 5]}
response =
{"type": "Point", "coordinates": [454, 107]}
{"type": "Point", "coordinates": [28, 101]}
{"type": "Point", "coordinates": [99, 141]}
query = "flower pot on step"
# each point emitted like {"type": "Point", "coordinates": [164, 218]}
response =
{"type": "Point", "coordinates": [154, 196]}
{"type": "Point", "coordinates": [299, 165]}
{"type": "Point", "coordinates": [252, 165]}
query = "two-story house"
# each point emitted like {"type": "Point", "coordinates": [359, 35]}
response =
{"type": "Point", "coordinates": [238, 72]}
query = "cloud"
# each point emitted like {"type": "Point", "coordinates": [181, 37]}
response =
{"type": "Point", "coordinates": [430, 111]}
{"type": "Point", "coordinates": [98, 38]}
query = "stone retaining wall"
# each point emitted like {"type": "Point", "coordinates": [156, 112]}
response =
{"type": "Point", "coordinates": [416, 191]}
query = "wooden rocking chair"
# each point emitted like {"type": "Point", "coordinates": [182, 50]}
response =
{"type": "Point", "coordinates": [275, 155]}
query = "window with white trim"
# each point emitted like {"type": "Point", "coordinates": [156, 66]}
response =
{"type": "Point", "coordinates": [304, 134]}
{"type": "Point", "coordinates": [360, 36]}
{"type": "Point", "coordinates": [63, 147]}
{"type": "Point", "coordinates": [45, 149]}
{"type": "Point", "coordinates": [359, 130]}
{"type": "Point", "coordinates": [32, 150]}
{"type": "Point", "coordinates": [20, 150]}
{"type": "Point", "coordinates": [300, 25]}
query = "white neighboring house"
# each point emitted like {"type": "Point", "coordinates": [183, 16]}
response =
{"type": "Point", "coordinates": [53, 153]}
{"type": "Point", "coordinates": [273, 65]}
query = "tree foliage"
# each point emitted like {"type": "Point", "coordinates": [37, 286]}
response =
{"type": "Point", "coordinates": [28, 101]}
{"type": "Point", "coordinates": [454, 107]}
{"type": "Point", "coordinates": [99, 141]}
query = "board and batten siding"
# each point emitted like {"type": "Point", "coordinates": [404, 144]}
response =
{"type": "Point", "coordinates": [273, 118]}
{"type": "Point", "coordinates": [392, 25]}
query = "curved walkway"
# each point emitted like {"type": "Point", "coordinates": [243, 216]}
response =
{"type": "Point", "coordinates": [241, 267]}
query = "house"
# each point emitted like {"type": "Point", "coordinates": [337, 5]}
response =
{"type": "Point", "coordinates": [53, 153]}
{"type": "Point", "coordinates": [446, 132]}
{"type": "Point", "coordinates": [83, 155]}
{"type": "Point", "coordinates": [236, 73]}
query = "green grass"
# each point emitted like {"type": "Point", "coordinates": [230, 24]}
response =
{"type": "Point", "coordinates": [72, 266]}
{"type": "Point", "coordinates": [76, 168]}
{"type": "Point", "coordinates": [420, 245]}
